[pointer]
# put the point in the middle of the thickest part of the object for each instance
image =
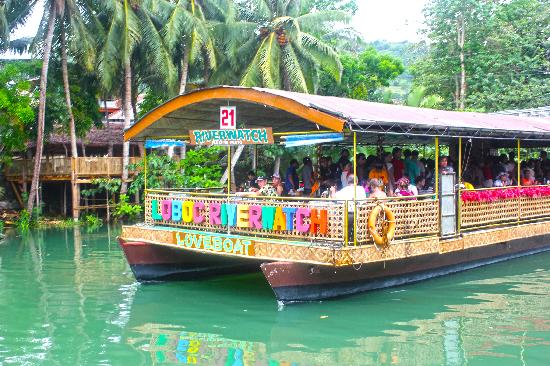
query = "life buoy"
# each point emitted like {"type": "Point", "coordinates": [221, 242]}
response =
{"type": "Point", "coordinates": [388, 227]}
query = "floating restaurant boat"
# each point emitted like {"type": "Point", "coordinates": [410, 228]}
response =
{"type": "Point", "coordinates": [318, 248]}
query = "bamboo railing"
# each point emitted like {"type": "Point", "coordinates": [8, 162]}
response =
{"type": "Point", "coordinates": [59, 167]}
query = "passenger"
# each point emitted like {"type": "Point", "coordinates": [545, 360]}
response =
{"type": "Point", "coordinates": [403, 189]}
{"type": "Point", "coordinates": [251, 181]}
{"type": "Point", "coordinates": [344, 160]}
{"type": "Point", "coordinates": [387, 158]}
{"type": "Point", "coordinates": [444, 167]}
{"type": "Point", "coordinates": [487, 173]}
{"type": "Point", "coordinates": [408, 163]}
{"type": "Point", "coordinates": [375, 189]}
{"type": "Point", "coordinates": [325, 173]}
{"type": "Point", "coordinates": [346, 193]}
{"type": "Point", "coordinates": [379, 172]}
{"type": "Point", "coordinates": [346, 171]}
{"type": "Point", "coordinates": [528, 178]}
{"type": "Point", "coordinates": [265, 189]}
{"type": "Point", "coordinates": [292, 182]}
{"type": "Point", "coordinates": [362, 169]}
{"type": "Point", "coordinates": [413, 167]}
{"type": "Point", "coordinates": [398, 165]}
{"type": "Point", "coordinates": [277, 185]}
{"type": "Point", "coordinates": [307, 175]}
{"type": "Point", "coordinates": [501, 180]}
{"type": "Point", "coordinates": [421, 186]}
{"type": "Point", "coordinates": [546, 177]}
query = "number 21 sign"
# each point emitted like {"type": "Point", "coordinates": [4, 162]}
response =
{"type": "Point", "coordinates": [228, 118]}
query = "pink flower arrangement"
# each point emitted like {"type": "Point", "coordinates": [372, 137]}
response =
{"type": "Point", "coordinates": [491, 195]}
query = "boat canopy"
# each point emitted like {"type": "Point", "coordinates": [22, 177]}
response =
{"type": "Point", "coordinates": [288, 112]}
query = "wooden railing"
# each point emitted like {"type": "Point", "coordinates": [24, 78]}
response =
{"type": "Point", "coordinates": [60, 167]}
{"type": "Point", "coordinates": [417, 217]}
{"type": "Point", "coordinates": [507, 211]}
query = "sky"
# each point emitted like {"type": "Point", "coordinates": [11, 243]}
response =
{"type": "Point", "coordinates": [391, 20]}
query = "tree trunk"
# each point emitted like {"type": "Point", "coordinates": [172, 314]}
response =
{"type": "Point", "coordinates": [277, 166]}
{"type": "Point", "coordinates": [184, 70]}
{"type": "Point", "coordinates": [461, 33]}
{"type": "Point", "coordinates": [127, 96]}
{"type": "Point", "coordinates": [72, 128]}
{"type": "Point", "coordinates": [234, 158]}
{"type": "Point", "coordinates": [42, 107]}
{"type": "Point", "coordinates": [110, 148]}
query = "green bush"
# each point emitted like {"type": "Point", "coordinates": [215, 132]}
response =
{"type": "Point", "coordinates": [92, 221]}
{"type": "Point", "coordinates": [126, 210]}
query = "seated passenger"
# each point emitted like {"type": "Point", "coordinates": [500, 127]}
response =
{"type": "Point", "coordinates": [251, 181]}
{"type": "Point", "coordinates": [376, 191]}
{"type": "Point", "coordinates": [528, 178]}
{"type": "Point", "coordinates": [403, 189]}
{"type": "Point", "coordinates": [264, 190]}
{"type": "Point", "coordinates": [347, 192]}
{"type": "Point", "coordinates": [379, 172]}
{"type": "Point", "coordinates": [277, 185]}
{"type": "Point", "coordinates": [501, 180]}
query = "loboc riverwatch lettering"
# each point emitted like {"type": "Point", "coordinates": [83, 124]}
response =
{"type": "Point", "coordinates": [243, 136]}
{"type": "Point", "coordinates": [215, 243]}
{"type": "Point", "coordinates": [302, 219]}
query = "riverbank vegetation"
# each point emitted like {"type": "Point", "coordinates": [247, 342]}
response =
{"type": "Point", "coordinates": [476, 55]}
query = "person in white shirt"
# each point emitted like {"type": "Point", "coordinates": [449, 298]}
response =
{"type": "Point", "coordinates": [347, 194]}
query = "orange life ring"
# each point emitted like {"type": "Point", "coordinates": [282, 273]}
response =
{"type": "Point", "coordinates": [388, 227]}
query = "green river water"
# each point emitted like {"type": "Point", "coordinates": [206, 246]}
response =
{"type": "Point", "coordinates": [67, 297]}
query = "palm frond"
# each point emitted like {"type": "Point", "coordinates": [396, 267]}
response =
{"type": "Point", "coordinates": [321, 21]}
{"type": "Point", "coordinates": [293, 70]}
{"type": "Point", "coordinates": [269, 62]}
{"type": "Point", "coordinates": [251, 76]}
{"type": "Point", "coordinates": [323, 54]}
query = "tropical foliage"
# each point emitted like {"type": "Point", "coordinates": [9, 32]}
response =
{"type": "Point", "coordinates": [487, 55]}
{"type": "Point", "coordinates": [287, 54]}
{"type": "Point", "coordinates": [363, 75]}
{"type": "Point", "coordinates": [482, 55]}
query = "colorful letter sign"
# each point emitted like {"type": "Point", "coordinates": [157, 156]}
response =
{"type": "Point", "coordinates": [228, 118]}
{"type": "Point", "coordinates": [242, 136]}
{"type": "Point", "coordinates": [243, 216]}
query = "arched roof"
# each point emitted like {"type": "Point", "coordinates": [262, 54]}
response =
{"type": "Point", "coordinates": [293, 112]}
{"type": "Point", "coordinates": [255, 108]}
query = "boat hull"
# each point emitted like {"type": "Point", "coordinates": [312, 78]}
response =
{"type": "Point", "coordinates": [154, 262]}
{"type": "Point", "coordinates": [297, 282]}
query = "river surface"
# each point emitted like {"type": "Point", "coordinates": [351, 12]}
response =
{"type": "Point", "coordinates": [67, 297]}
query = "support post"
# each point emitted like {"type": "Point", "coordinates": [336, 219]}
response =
{"type": "Point", "coordinates": [228, 171]}
{"type": "Point", "coordinates": [354, 188]}
{"type": "Point", "coordinates": [519, 179]}
{"type": "Point", "coordinates": [459, 203]}
{"type": "Point", "coordinates": [519, 164]}
{"type": "Point", "coordinates": [436, 188]}
{"type": "Point", "coordinates": [145, 168]}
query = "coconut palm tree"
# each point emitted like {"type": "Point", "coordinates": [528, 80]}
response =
{"type": "Point", "coordinates": [131, 24]}
{"type": "Point", "coordinates": [75, 30]}
{"type": "Point", "coordinates": [51, 10]}
{"type": "Point", "coordinates": [285, 51]}
{"type": "Point", "coordinates": [188, 36]}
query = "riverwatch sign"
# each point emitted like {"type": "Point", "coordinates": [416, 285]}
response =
{"type": "Point", "coordinates": [241, 136]}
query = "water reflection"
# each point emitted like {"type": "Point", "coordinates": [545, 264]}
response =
{"type": "Point", "coordinates": [68, 297]}
{"type": "Point", "coordinates": [491, 316]}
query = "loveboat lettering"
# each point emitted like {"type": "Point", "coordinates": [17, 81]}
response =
{"type": "Point", "coordinates": [301, 219]}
